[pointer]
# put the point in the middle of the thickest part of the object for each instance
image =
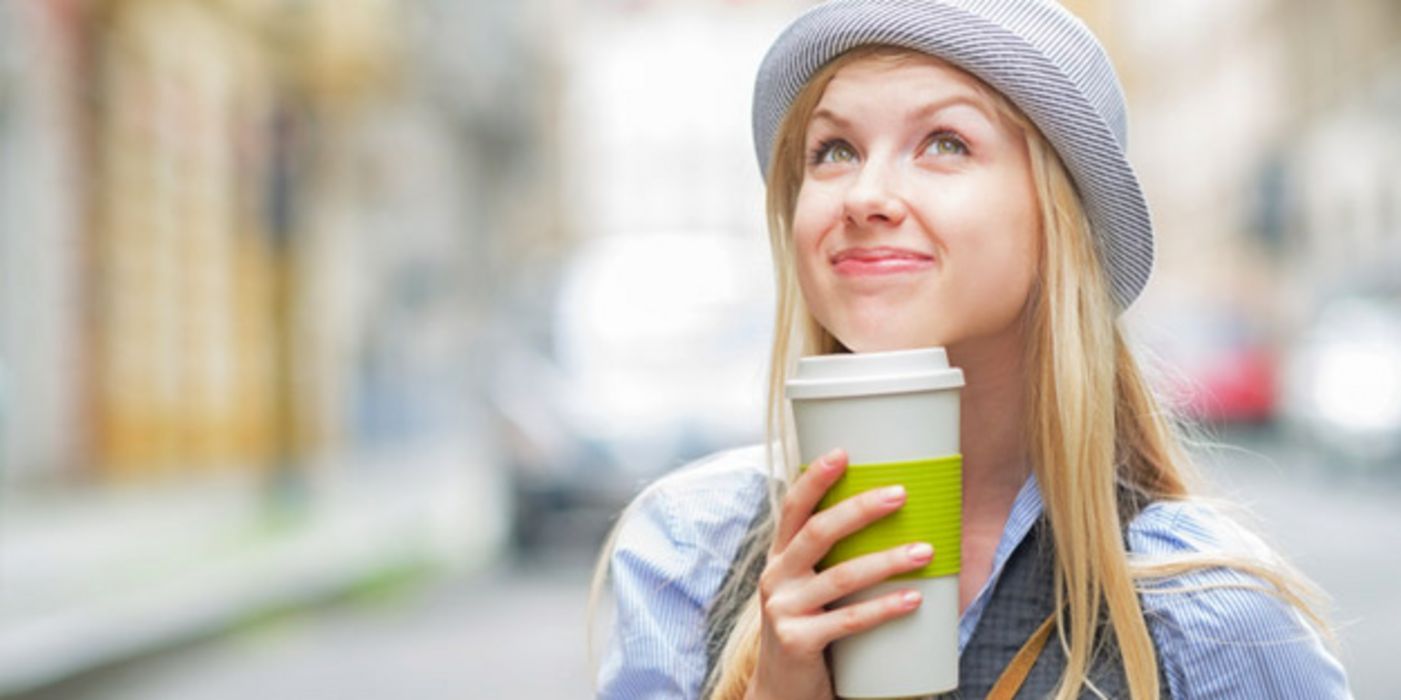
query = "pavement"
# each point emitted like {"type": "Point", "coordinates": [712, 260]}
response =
{"type": "Point", "coordinates": [513, 632]}
{"type": "Point", "coordinates": [94, 577]}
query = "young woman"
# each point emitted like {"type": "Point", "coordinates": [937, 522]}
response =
{"type": "Point", "coordinates": [952, 173]}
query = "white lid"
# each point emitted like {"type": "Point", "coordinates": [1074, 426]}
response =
{"type": "Point", "coordinates": [855, 374]}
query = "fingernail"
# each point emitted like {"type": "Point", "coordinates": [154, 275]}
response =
{"type": "Point", "coordinates": [831, 458]}
{"type": "Point", "coordinates": [921, 551]}
{"type": "Point", "coordinates": [893, 494]}
{"type": "Point", "coordinates": [910, 599]}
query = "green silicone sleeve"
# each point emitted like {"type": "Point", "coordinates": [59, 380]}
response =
{"type": "Point", "coordinates": [933, 512]}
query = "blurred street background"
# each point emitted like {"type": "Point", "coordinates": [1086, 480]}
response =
{"type": "Point", "coordinates": [334, 333]}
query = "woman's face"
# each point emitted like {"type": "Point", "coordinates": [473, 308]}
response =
{"type": "Point", "coordinates": [916, 222]}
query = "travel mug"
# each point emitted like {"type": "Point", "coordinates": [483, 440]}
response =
{"type": "Point", "coordinates": [897, 416]}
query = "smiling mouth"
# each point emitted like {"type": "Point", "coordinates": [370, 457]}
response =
{"type": "Point", "coordinates": [856, 262]}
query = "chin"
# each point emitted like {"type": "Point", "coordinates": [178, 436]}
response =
{"type": "Point", "coordinates": [884, 327]}
{"type": "Point", "coordinates": [886, 342]}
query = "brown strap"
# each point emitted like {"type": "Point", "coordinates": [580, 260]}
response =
{"type": "Point", "coordinates": [1016, 672]}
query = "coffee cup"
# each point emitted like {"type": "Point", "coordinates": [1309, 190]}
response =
{"type": "Point", "coordinates": [896, 414]}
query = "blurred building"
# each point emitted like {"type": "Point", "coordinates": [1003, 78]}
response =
{"type": "Point", "coordinates": [177, 172]}
{"type": "Point", "coordinates": [42, 197]}
{"type": "Point", "coordinates": [1237, 110]}
{"type": "Point", "coordinates": [184, 354]}
{"type": "Point", "coordinates": [1332, 189]}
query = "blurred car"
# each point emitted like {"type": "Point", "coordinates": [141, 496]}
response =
{"type": "Point", "coordinates": [653, 351]}
{"type": "Point", "coordinates": [1223, 366]}
{"type": "Point", "coordinates": [1342, 382]}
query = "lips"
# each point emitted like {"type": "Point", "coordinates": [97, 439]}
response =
{"type": "Point", "coordinates": [880, 261]}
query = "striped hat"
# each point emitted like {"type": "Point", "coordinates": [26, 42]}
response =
{"type": "Point", "coordinates": [1034, 52]}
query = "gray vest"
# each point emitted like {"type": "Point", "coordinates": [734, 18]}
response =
{"type": "Point", "coordinates": [1021, 600]}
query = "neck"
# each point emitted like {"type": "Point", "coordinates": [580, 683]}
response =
{"type": "Point", "coordinates": [991, 432]}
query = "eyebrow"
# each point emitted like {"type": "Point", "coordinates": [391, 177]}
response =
{"type": "Point", "coordinates": [922, 112]}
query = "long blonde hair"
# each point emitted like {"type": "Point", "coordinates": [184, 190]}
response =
{"type": "Point", "coordinates": [1100, 440]}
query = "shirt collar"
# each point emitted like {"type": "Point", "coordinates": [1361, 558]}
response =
{"type": "Point", "coordinates": [1026, 509]}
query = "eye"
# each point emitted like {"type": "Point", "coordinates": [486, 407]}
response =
{"type": "Point", "coordinates": [946, 143]}
{"type": "Point", "coordinates": [833, 151]}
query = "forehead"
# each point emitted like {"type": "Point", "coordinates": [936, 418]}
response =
{"type": "Point", "coordinates": [912, 77]}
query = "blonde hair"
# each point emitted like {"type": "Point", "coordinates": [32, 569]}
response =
{"type": "Point", "coordinates": [1099, 439]}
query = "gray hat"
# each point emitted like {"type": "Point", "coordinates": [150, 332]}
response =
{"type": "Point", "coordinates": [1034, 52]}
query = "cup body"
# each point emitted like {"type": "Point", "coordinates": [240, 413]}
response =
{"type": "Point", "coordinates": [897, 416]}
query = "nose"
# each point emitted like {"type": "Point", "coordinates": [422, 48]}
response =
{"type": "Point", "coordinates": [872, 198]}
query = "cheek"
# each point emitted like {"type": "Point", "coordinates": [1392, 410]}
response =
{"type": "Point", "coordinates": [992, 253]}
{"type": "Point", "coordinates": [1008, 268]}
{"type": "Point", "coordinates": [813, 216]}
{"type": "Point", "coordinates": [814, 213]}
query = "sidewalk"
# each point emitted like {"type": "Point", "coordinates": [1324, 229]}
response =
{"type": "Point", "coordinates": [94, 577]}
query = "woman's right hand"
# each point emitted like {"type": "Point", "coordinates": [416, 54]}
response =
{"type": "Point", "coordinates": [796, 627]}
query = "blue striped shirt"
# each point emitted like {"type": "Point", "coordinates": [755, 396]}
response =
{"type": "Point", "coordinates": [679, 537]}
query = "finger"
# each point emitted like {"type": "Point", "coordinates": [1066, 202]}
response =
{"type": "Point", "coordinates": [805, 493]}
{"type": "Point", "coordinates": [859, 617]}
{"type": "Point", "coordinates": [825, 528]}
{"type": "Point", "coordinates": [856, 575]}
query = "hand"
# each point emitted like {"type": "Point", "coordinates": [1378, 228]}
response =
{"type": "Point", "coordinates": [796, 627]}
